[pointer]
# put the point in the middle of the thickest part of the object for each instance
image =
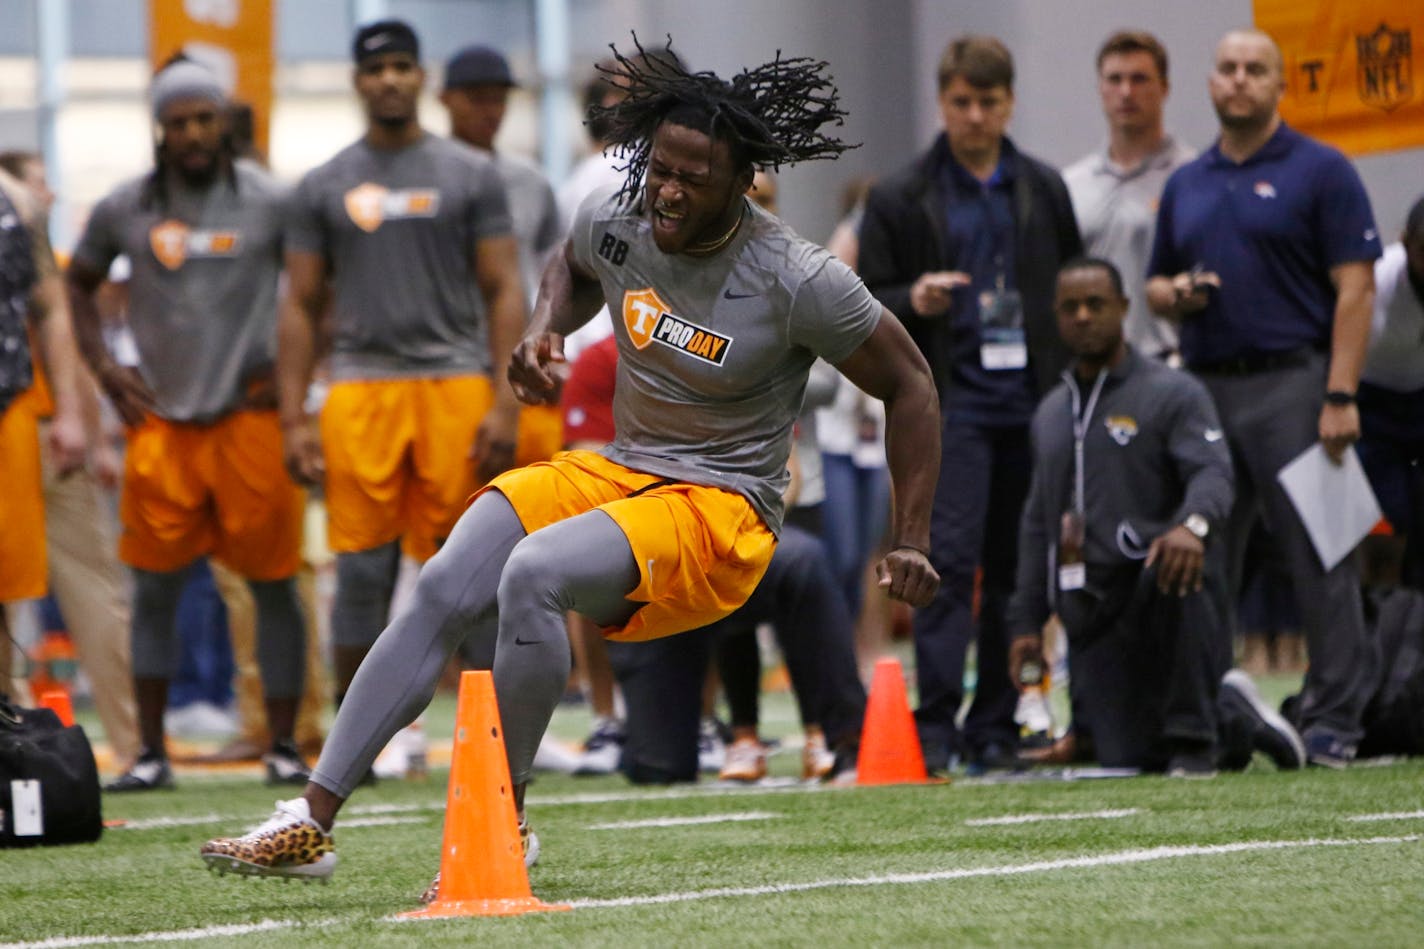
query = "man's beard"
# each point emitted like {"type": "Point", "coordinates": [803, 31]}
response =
{"type": "Point", "coordinates": [197, 177]}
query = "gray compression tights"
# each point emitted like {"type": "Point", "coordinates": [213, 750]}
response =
{"type": "Point", "coordinates": [365, 582]}
{"type": "Point", "coordinates": [281, 633]}
{"type": "Point", "coordinates": [509, 592]}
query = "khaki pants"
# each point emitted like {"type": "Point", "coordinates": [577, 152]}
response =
{"type": "Point", "coordinates": [242, 624]}
{"type": "Point", "coordinates": [92, 590]}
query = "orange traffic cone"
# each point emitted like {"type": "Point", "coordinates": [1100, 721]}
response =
{"type": "Point", "coordinates": [481, 861]}
{"type": "Point", "coordinates": [56, 699]}
{"type": "Point", "coordinates": [889, 744]}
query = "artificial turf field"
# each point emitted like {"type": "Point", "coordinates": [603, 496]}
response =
{"type": "Point", "coordinates": [1261, 858]}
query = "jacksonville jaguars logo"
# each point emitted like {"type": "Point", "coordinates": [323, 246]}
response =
{"type": "Point", "coordinates": [1122, 428]}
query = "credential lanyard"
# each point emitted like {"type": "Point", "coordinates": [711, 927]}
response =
{"type": "Point", "coordinates": [1082, 418]}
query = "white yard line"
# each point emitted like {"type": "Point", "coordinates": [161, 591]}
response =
{"type": "Point", "coordinates": [1398, 815]}
{"type": "Point", "coordinates": [1037, 818]}
{"type": "Point", "coordinates": [685, 821]}
{"type": "Point", "coordinates": [1118, 858]}
{"type": "Point", "coordinates": [177, 935]}
{"type": "Point", "coordinates": [379, 821]}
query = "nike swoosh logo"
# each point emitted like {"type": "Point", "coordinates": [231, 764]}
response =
{"type": "Point", "coordinates": [1212, 435]}
{"type": "Point", "coordinates": [729, 295]}
{"type": "Point", "coordinates": [526, 642]}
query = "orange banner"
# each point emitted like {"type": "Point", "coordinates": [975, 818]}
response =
{"type": "Point", "coordinates": [231, 37]}
{"type": "Point", "coordinates": [1352, 78]}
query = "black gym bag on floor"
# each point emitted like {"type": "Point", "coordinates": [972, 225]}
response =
{"type": "Point", "coordinates": [49, 784]}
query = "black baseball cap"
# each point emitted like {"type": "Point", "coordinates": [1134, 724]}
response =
{"type": "Point", "coordinates": [478, 66]}
{"type": "Point", "coordinates": [384, 36]}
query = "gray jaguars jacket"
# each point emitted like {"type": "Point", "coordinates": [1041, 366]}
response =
{"type": "Point", "coordinates": [1153, 453]}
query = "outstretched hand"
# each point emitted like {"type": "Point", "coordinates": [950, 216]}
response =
{"type": "Point", "coordinates": [905, 574]}
{"type": "Point", "coordinates": [537, 369]}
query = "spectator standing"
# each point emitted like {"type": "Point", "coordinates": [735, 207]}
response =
{"type": "Point", "coordinates": [963, 246]}
{"type": "Point", "coordinates": [203, 470]}
{"type": "Point", "coordinates": [31, 299]}
{"type": "Point", "coordinates": [1392, 392]}
{"type": "Point", "coordinates": [1115, 190]}
{"type": "Point", "coordinates": [411, 235]}
{"type": "Point", "coordinates": [85, 576]}
{"type": "Point", "coordinates": [1264, 252]}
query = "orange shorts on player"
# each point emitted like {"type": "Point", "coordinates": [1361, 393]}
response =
{"type": "Point", "coordinates": [218, 489]}
{"type": "Point", "coordinates": [22, 536]}
{"type": "Point", "coordinates": [541, 434]}
{"type": "Point", "coordinates": [700, 551]}
{"type": "Point", "coordinates": [398, 460]}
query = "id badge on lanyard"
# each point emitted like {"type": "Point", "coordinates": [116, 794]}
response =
{"type": "Point", "coordinates": [1001, 329]}
{"type": "Point", "coordinates": [1073, 527]}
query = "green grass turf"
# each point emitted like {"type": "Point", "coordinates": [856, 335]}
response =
{"type": "Point", "coordinates": [137, 881]}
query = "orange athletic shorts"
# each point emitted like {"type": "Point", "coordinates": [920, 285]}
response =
{"type": "Point", "coordinates": [218, 489]}
{"type": "Point", "coordinates": [541, 434]}
{"type": "Point", "coordinates": [398, 460]}
{"type": "Point", "coordinates": [23, 570]}
{"type": "Point", "coordinates": [700, 551]}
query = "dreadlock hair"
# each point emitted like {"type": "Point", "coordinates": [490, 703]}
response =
{"type": "Point", "coordinates": [768, 116]}
{"type": "Point", "coordinates": [154, 195]}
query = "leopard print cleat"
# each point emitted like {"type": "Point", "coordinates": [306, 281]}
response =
{"type": "Point", "coordinates": [290, 844]}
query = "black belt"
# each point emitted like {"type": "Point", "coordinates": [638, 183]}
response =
{"type": "Point", "coordinates": [1248, 363]}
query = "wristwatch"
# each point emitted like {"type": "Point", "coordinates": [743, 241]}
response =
{"type": "Point", "coordinates": [1198, 525]}
{"type": "Point", "coordinates": [1339, 397]}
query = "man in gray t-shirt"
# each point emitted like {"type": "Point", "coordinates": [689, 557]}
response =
{"type": "Point", "coordinates": [1115, 189]}
{"type": "Point", "coordinates": [476, 94]}
{"type": "Point", "coordinates": [410, 233]}
{"type": "Point", "coordinates": [719, 311]}
{"type": "Point", "coordinates": [203, 470]}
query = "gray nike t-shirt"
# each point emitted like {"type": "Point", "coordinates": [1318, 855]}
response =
{"type": "Point", "coordinates": [399, 229]}
{"type": "Point", "coordinates": [203, 283]}
{"type": "Point", "coordinates": [713, 353]}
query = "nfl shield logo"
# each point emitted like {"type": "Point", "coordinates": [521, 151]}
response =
{"type": "Point", "coordinates": [1385, 74]}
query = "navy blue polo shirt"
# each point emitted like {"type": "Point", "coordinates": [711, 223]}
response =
{"type": "Point", "coordinates": [1271, 228]}
{"type": "Point", "coordinates": [979, 222]}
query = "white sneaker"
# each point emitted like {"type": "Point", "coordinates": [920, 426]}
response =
{"type": "Point", "coordinates": [603, 750]}
{"type": "Point", "coordinates": [746, 761]}
{"type": "Point", "coordinates": [711, 749]}
{"type": "Point", "coordinates": [406, 755]}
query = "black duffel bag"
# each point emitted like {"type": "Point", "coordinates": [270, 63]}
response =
{"type": "Point", "coordinates": [49, 784]}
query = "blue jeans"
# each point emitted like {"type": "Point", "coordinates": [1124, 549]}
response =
{"type": "Point", "coordinates": [853, 519]}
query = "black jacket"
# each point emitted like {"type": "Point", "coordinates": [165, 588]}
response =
{"type": "Point", "coordinates": [903, 235]}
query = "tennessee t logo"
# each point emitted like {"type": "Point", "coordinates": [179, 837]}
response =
{"type": "Point", "coordinates": [647, 319]}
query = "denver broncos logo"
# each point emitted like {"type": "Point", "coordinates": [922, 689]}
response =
{"type": "Point", "coordinates": [648, 320]}
{"type": "Point", "coordinates": [370, 205]}
{"type": "Point", "coordinates": [174, 243]}
{"type": "Point", "coordinates": [1122, 428]}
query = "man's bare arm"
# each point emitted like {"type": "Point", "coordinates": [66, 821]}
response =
{"type": "Point", "coordinates": [1354, 308]}
{"type": "Point", "coordinates": [297, 324]}
{"type": "Point", "coordinates": [498, 276]}
{"type": "Point", "coordinates": [568, 298]}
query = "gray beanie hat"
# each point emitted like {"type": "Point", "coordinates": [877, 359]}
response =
{"type": "Point", "coordinates": [185, 79]}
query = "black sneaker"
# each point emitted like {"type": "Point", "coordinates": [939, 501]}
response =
{"type": "Point", "coordinates": [149, 773]}
{"type": "Point", "coordinates": [285, 765]}
{"type": "Point", "coordinates": [1192, 760]}
{"type": "Point", "coordinates": [1271, 733]}
{"type": "Point", "coordinates": [1327, 751]}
